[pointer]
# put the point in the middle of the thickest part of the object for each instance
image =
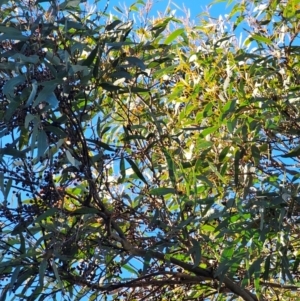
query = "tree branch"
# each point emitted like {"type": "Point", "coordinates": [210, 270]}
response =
{"type": "Point", "coordinates": [204, 273]}
{"type": "Point", "coordinates": [277, 285]}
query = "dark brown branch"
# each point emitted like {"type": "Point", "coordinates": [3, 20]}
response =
{"type": "Point", "coordinates": [204, 273]}
{"type": "Point", "coordinates": [277, 285]}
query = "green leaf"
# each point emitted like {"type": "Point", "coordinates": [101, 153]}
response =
{"type": "Point", "coordinates": [174, 35]}
{"type": "Point", "coordinates": [42, 142]}
{"type": "Point", "coordinates": [110, 87]}
{"type": "Point", "coordinates": [214, 169]}
{"type": "Point", "coordinates": [147, 258]}
{"type": "Point", "coordinates": [229, 107]}
{"type": "Point", "coordinates": [36, 293]}
{"type": "Point", "coordinates": [118, 9]}
{"type": "Point", "coordinates": [122, 169]}
{"type": "Point", "coordinates": [255, 154]}
{"type": "Point", "coordinates": [42, 270]}
{"type": "Point", "coordinates": [137, 90]}
{"type": "Point", "coordinates": [101, 144]}
{"type": "Point", "coordinates": [14, 276]}
{"type": "Point", "coordinates": [162, 191]}
{"type": "Point", "coordinates": [60, 284]}
{"type": "Point", "coordinates": [47, 95]}
{"type": "Point", "coordinates": [261, 39]}
{"type": "Point", "coordinates": [231, 125]}
{"type": "Point", "coordinates": [9, 85]}
{"type": "Point", "coordinates": [209, 130]}
{"type": "Point", "coordinates": [255, 267]}
{"type": "Point", "coordinates": [85, 210]}
{"type": "Point", "coordinates": [70, 158]}
{"type": "Point", "coordinates": [129, 269]}
{"type": "Point", "coordinates": [133, 137]}
{"type": "Point", "coordinates": [204, 144]}
{"type": "Point", "coordinates": [267, 268]}
{"type": "Point", "coordinates": [135, 62]}
{"type": "Point", "coordinates": [296, 263]}
{"type": "Point", "coordinates": [33, 59]}
{"type": "Point", "coordinates": [56, 130]}
{"type": "Point", "coordinates": [96, 68]}
{"type": "Point", "coordinates": [11, 151]}
{"type": "Point", "coordinates": [224, 169]}
{"type": "Point", "coordinates": [286, 269]}
{"type": "Point", "coordinates": [79, 68]}
{"type": "Point", "coordinates": [121, 74]}
{"type": "Point", "coordinates": [29, 118]}
{"type": "Point", "coordinates": [293, 153]}
{"type": "Point", "coordinates": [195, 251]}
{"type": "Point", "coordinates": [22, 244]}
{"type": "Point", "coordinates": [32, 95]}
{"type": "Point", "coordinates": [49, 212]}
{"type": "Point", "coordinates": [7, 188]}
{"type": "Point", "coordinates": [227, 253]}
{"type": "Point", "coordinates": [171, 167]}
{"type": "Point", "coordinates": [10, 33]}
{"type": "Point", "coordinates": [24, 275]}
{"type": "Point", "coordinates": [112, 25]}
{"type": "Point", "coordinates": [237, 158]}
{"type": "Point", "coordinates": [4, 291]}
{"type": "Point", "coordinates": [224, 153]}
{"type": "Point", "coordinates": [136, 170]}
{"type": "Point", "coordinates": [159, 28]}
{"type": "Point", "coordinates": [205, 180]}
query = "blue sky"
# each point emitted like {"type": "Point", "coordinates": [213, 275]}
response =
{"type": "Point", "coordinates": [195, 6]}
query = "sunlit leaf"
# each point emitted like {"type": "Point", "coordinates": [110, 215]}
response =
{"type": "Point", "coordinates": [162, 191]}
{"type": "Point", "coordinates": [173, 35]}
{"type": "Point", "coordinates": [293, 153]}
{"type": "Point", "coordinates": [262, 39]}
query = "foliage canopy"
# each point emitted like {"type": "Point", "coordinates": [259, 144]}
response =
{"type": "Point", "coordinates": [155, 160]}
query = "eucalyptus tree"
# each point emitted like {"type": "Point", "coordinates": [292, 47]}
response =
{"type": "Point", "coordinates": [149, 160]}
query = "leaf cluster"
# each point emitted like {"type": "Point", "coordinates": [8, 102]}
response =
{"type": "Point", "coordinates": [149, 162]}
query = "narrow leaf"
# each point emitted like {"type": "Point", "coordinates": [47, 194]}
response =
{"type": "Point", "coordinates": [49, 212]}
{"type": "Point", "coordinates": [136, 170]}
{"type": "Point", "coordinates": [32, 94]}
{"type": "Point", "coordinates": [47, 95]}
{"type": "Point", "coordinates": [136, 62]}
{"type": "Point", "coordinates": [236, 167]}
{"type": "Point", "coordinates": [112, 25]}
{"type": "Point", "coordinates": [9, 85]}
{"type": "Point", "coordinates": [261, 39]}
{"type": "Point", "coordinates": [42, 270]}
{"type": "Point", "coordinates": [85, 210]}
{"type": "Point", "coordinates": [109, 87]}
{"type": "Point", "coordinates": [196, 252]}
{"type": "Point", "coordinates": [162, 191]}
{"type": "Point", "coordinates": [70, 158]}
{"type": "Point", "coordinates": [14, 276]}
{"type": "Point", "coordinates": [122, 169]}
{"type": "Point", "coordinates": [60, 284]}
{"type": "Point", "coordinates": [101, 144]}
{"type": "Point", "coordinates": [293, 153]}
{"type": "Point", "coordinates": [42, 141]}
